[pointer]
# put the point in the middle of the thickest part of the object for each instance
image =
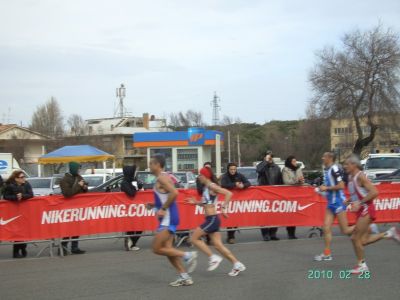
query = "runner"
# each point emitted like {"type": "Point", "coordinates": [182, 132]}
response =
{"type": "Point", "coordinates": [167, 213]}
{"type": "Point", "coordinates": [209, 191]}
{"type": "Point", "coordinates": [362, 194]}
{"type": "Point", "coordinates": [333, 189]}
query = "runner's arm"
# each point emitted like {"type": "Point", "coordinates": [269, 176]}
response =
{"type": "Point", "coordinates": [219, 190]}
{"type": "Point", "coordinates": [339, 186]}
{"type": "Point", "coordinates": [167, 185]}
{"type": "Point", "coordinates": [372, 191]}
{"type": "Point", "coordinates": [194, 201]}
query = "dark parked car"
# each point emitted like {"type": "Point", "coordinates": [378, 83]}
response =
{"type": "Point", "coordinates": [393, 177]}
{"type": "Point", "coordinates": [146, 178]}
{"type": "Point", "coordinates": [313, 177]}
{"type": "Point", "coordinates": [250, 173]}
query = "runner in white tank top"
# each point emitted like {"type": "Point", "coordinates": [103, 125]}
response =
{"type": "Point", "coordinates": [362, 193]}
{"type": "Point", "coordinates": [209, 191]}
{"type": "Point", "coordinates": [165, 196]}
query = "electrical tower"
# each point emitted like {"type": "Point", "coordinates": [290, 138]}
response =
{"type": "Point", "coordinates": [216, 109]}
{"type": "Point", "coordinates": [120, 111]}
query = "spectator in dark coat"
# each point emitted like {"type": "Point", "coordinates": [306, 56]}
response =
{"type": "Point", "coordinates": [231, 180]}
{"type": "Point", "coordinates": [269, 173]}
{"type": "Point", "coordinates": [292, 175]}
{"type": "Point", "coordinates": [17, 189]}
{"type": "Point", "coordinates": [72, 184]}
{"type": "Point", "coordinates": [129, 188]}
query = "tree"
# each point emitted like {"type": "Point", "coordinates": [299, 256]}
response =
{"type": "Point", "coordinates": [48, 119]}
{"type": "Point", "coordinates": [187, 119]}
{"type": "Point", "coordinates": [76, 125]}
{"type": "Point", "coordinates": [359, 81]}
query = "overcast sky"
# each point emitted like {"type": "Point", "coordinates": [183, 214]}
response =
{"type": "Point", "coordinates": [171, 55]}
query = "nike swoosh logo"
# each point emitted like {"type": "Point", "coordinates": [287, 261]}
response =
{"type": "Point", "coordinates": [299, 207]}
{"type": "Point", "coordinates": [5, 222]}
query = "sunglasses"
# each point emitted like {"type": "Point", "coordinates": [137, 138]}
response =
{"type": "Point", "coordinates": [21, 177]}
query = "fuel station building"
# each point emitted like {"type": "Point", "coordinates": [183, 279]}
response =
{"type": "Point", "coordinates": [183, 150]}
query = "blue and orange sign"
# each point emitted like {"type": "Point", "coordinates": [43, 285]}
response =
{"type": "Point", "coordinates": [193, 137]}
{"type": "Point", "coordinates": [196, 136]}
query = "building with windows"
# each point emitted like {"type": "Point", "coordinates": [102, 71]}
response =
{"type": "Point", "coordinates": [183, 150]}
{"type": "Point", "coordinates": [114, 135]}
{"type": "Point", "coordinates": [25, 145]}
{"type": "Point", "coordinates": [344, 135]}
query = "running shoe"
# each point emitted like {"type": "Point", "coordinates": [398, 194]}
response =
{"type": "Point", "coordinates": [128, 243]}
{"type": "Point", "coordinates": [239, 267]}
{"type": "Point", "coordinates": [214, 262]}
{"type": "Point", "coordinates": [323, 257]}
{"type": "Point", "coordinates": [134, 248]}
{"type": "Point", "coordinates": [393, 233]}
{"type": "Point", "coordinates": [361, 268]}
{"type": "Point", "coordinates": [191, 262]}
{"type": "Point", "coordinates": [182, 282]}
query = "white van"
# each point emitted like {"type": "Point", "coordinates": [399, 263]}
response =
{"type": "Point", "coordinates": [8, 164]}
{"type": "Point", "coordinates": [381, 164]}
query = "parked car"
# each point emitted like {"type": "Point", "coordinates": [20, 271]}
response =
{"type": "Point", "coordinates": [118, 171]}
{"type": "Point", "coordinates": [381, 164]}
{"type": "Point", "coordinates": [187, 180]}
{"type": "Point", "coordinates": [393, 177]}
{"type": "Point", "coordinates": [43, 186]}
{"type": "Point", "coordinates": [94, 180]}
{"type": "Point", "coordinates": [313, 177]}
{"type": "Point", "coordinates": [250, 173]}
{"type": "Point", "coordinates": [146, 178]}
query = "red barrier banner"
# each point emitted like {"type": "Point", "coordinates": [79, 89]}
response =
{"type": "Point", "coordinates": [93, 213]}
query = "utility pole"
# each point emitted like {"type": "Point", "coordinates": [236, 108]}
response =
{"type": "Point", "coordinates": [238, 151]}
{"type": "Point", "coordinates": [216, 108]}
{"type": "Point", "coordinates": [229, 146]}
{"type": "Point", "coordinates": [121, 94]}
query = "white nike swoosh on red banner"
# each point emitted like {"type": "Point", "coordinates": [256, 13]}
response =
{"type": "Point", "coordinates": [299, 207]}
{"type": "Point", "coordinates": [5, 222]}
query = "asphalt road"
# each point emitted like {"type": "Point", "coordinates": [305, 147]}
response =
{"type": "Point", "coordinates": [275, 270]}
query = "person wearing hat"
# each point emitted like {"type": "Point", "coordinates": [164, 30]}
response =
{"type": "Point", "coordinates": [72, 184]}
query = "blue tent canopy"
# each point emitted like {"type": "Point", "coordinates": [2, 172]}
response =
{"type": "Point", "coordinates": [81, 153]}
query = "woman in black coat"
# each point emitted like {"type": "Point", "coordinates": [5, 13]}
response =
{"type": "Point", "coordinates": [129, 188]}
{"type": "Point", "coordinates": [17, 189]}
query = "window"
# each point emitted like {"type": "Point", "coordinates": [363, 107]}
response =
{"type": "Point", "coordinates": [343, 131]}
{"type": "Point", "coordinates": [128, 143]}
{"type": "Point", "coordinates": [383, 163]}
{"type": "Point", "coordinates": [187, 159]}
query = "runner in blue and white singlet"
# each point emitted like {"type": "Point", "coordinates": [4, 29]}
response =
{"type": "Point", "coordinates": [165, 195]}
{"type": "Point", "coordinates": [333, 191]}
{"type": "Point", "coordinates": [332, 177]}
{"type": "Point", "coordinates": [170, 220]}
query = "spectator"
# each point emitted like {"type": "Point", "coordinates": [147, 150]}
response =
{"type": "Point", "coordinates": [130, 186]}
{"type": "Point", "coordinates": [72, 184]}
{"type": "Point", "coordinates": [269, 173]}
{"type": "Point", "coordinates": [18, 189]}
{"type": "Point", "coordinates": [232, 179]}
{"type": "Point", "coordinates": [292, 175]}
